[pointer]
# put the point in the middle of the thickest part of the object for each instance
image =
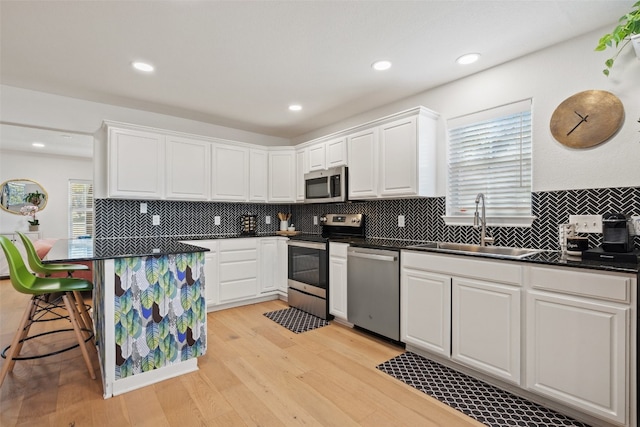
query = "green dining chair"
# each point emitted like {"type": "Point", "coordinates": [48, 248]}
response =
{"type": "Point", "coordinates": [36, 265]}
{"type": "Point", "coordinates": [40, 288]}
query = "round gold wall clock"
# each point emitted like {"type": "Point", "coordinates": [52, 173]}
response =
{"type": "Point", "coordinates": [587, 118]}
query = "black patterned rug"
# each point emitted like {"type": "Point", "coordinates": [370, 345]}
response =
{"type": "Point", "coordinates": [483, 402]}
{"type": "Point", "coordinates": [296, 320]}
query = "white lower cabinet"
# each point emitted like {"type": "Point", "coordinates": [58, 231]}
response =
{"type": "Point", "coordinates": [273, 264]}
{"type": "Point", "coordinates": [425, 309]}
{"type": "Point", "coordinates": [580, 346]}
{"type": "Point", "coordinates": [565, 336]}
{"type": "Point", "coordinates": [240, 270]}
{"type": "Point", "coordinates": [485, 319]}
{"type": "Point", "coordinates": [338, 280]}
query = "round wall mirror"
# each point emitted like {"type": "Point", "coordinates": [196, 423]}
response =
{"type": "Point", "coordinates": [16, 193]}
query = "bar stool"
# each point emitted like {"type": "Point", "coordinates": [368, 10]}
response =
{"type": "Point", "coordinates": [40, 288]}
{"type": "Point", "coordinates": [46, 270]}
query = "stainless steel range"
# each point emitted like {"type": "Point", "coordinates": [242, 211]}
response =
{"type": "Point", "coordinates": [308, 276]}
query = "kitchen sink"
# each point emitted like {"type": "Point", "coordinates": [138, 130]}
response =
{"type": "Point", "coordinates": [465, 248]}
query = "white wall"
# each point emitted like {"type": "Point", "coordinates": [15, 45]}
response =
{"type": "Point", "coordinates": [548, 76]}
{"type": "Point", "coordinates": [53, 173]}
{"type": "Point", "coordinates": [27, 107]}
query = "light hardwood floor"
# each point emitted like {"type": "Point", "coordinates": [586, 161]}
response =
{"type": "Point", "coordinates": [255, 373]}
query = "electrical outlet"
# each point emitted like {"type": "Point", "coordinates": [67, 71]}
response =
{"type": "Point", "coordinates": [635, 221]}
{"type": "Point", "coordinates": [143, 208]}
{"type": "Point", "coordinates": [216, 220]}
{"type": "Point", "coordinates": [156, 220]}
{"type": "Point", "coordinates": [315, 220]}
{"type": "Point", "coordinates": [586, 223]}
{"type": "Point", "coordinates": [267, 220]}
{"type": "Point", "coordinates": [400, 220]}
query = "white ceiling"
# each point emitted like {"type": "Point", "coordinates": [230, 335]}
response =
{"type": "Point", "coordinates": [241, 63]}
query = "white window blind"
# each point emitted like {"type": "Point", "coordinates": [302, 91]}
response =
{"type": "Point", "coordinates": [490, 153]}
{"type": "Point", "coordinates": [80, 208]}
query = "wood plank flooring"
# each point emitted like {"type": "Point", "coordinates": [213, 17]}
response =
{"type": "Point", "coordinates": [255, 373]}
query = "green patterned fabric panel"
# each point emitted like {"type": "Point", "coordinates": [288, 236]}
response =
{"type": "Point", "coordinates": [160, 312]}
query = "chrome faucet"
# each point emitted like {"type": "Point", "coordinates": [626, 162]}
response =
{"type": "Point", "coordinates": [478, 221]}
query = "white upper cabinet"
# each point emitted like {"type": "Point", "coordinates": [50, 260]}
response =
{"type": "Point", "coordinates": [187, 169]}
{"type": "Point", "coordinates": [302, 167]}
{"type": "Point", "coordinates": [317, 157]}
{"type": "Point", "coordinates": [396, 158]}
{"type": "Point", "coordinates": [230, 173]}
{"type": "Point", "coordinates": [135, 164]}
{"type": "Point", "coordinates": [282, 176]}
{"type": "Point", "coordinates": [336, 152]}
{"type": "Point", "coordinates": [258, 175]}
{"type": "Point", "coordinates": [363, 170]}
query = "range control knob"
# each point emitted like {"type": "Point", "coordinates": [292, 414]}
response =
{"type": "Point", "coordinates": [323, 219]}
{"type": "Point", "coordinates": [355, 220]}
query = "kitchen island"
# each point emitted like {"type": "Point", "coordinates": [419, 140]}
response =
{"type": "Point", "coordinates": [149, 308]}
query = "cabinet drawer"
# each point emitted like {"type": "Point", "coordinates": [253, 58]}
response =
{"type": "Point", "coordinates": [231, 271]}
{"type": "Point", "coordinates": [606, 286]}
{"type": "Point", "coordinates": [464, 266]}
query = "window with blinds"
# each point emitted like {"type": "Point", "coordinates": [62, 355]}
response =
{"type": "Point", "coordinates": [80, 208]}
{"type": "Point", "coordinates": [490, 153]}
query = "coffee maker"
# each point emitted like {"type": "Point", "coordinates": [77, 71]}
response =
{"type": "Point", "coordinates": [617, 242]}
{"type": "Point", "coordinates": [616, 229]}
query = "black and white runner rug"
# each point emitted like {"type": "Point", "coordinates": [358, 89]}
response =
{"type": "Point", "coordinates": [296, 320]}
{"type": "Point", "coordinates": [483, 402]}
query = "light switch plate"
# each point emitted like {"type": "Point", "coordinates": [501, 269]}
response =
{"type": "Point", "coordinates": [400, 220]}
{"type": "Point", "coordinates": [586, 223]}
{"type": "Point", "coordinates": [267, 220]}
{"type": "Point", "coordinates": [315, 220]}
{"type": "Point", "coordinates": [635, 221]}
{"type": "Point", "coordinates": [216, 220]}
{"type": "Point", "coordinates": [156, 220]}
{"type": "Point", "coordinates": [143, 207]}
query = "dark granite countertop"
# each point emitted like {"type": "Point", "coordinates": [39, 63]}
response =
{"type": "Point", "coordinates": [73, 250]}
{"type": "Point", "coordinates": [543, 257]}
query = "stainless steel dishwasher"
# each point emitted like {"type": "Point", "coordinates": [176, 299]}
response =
{"type": "Point", "coordinates": [373, 290]}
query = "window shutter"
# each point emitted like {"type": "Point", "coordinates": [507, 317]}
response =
{"type": "Point", "coordinates": [490, 153]}
{"type": "Point", "coordinates": [80, 208]}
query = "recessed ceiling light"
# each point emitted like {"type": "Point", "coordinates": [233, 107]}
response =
{"type": "Point", "coordinates": [469, 58]}
{"type": "Point", "coordinates": [381, 65]}
{"type": "Point", "coordinates": [143, 66]}
{"type": "Point", "coordinates": [38, 144]}
{"type": "Point", "coordinates": [295, 107]}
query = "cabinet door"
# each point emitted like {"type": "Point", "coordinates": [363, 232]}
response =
{"type": "Point", "coordinates": [363, 164]}
{"type": "Point", "coordinates": [399, 158]}
{"type": "Point", "coordinates": [301, 168]}
{"type": "Point", "coordinates": [338, 287]}
{"type": "Point", "coordinates": [188, 169]}
{"type": "Point", "coordinates": [282, 262]}
{"type": "Point", "coordinates": [211, 278]}
{"type": "Point", "coordinates": [258, 175]}
{"type": "Point", "coordinates": [577, 353]}
{"type": "Point", "coordinates": [336, 152]}
{"type": "Point", "coordinates": [268, 264]}
{"type": "Point", "coordinates": [425, 314]}
{"type": "Point", "coordinates": [136, 164]}
{"type": "Point", "coordinates": [282, 176]}
{"type": "Point", "coordinates": [317, 157]}
{"type": "Point", "coordinates": [485, 323]}
{"type": "Point", "coordinates": [230, 173]}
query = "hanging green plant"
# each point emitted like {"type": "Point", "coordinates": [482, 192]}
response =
{"type": "Point", "coordinates": [629, 26]}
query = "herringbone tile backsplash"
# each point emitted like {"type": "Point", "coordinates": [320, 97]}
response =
{"type": "Point", "coordinates": [122, 218]}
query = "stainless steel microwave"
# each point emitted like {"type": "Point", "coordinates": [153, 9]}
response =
{"type": "Point", "coordinates": [326, 186]}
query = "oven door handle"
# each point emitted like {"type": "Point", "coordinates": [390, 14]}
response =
{"type": "Point", "coordinates": [309, 245]}
{"type": "Point", "coordinates": [372, 256]}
